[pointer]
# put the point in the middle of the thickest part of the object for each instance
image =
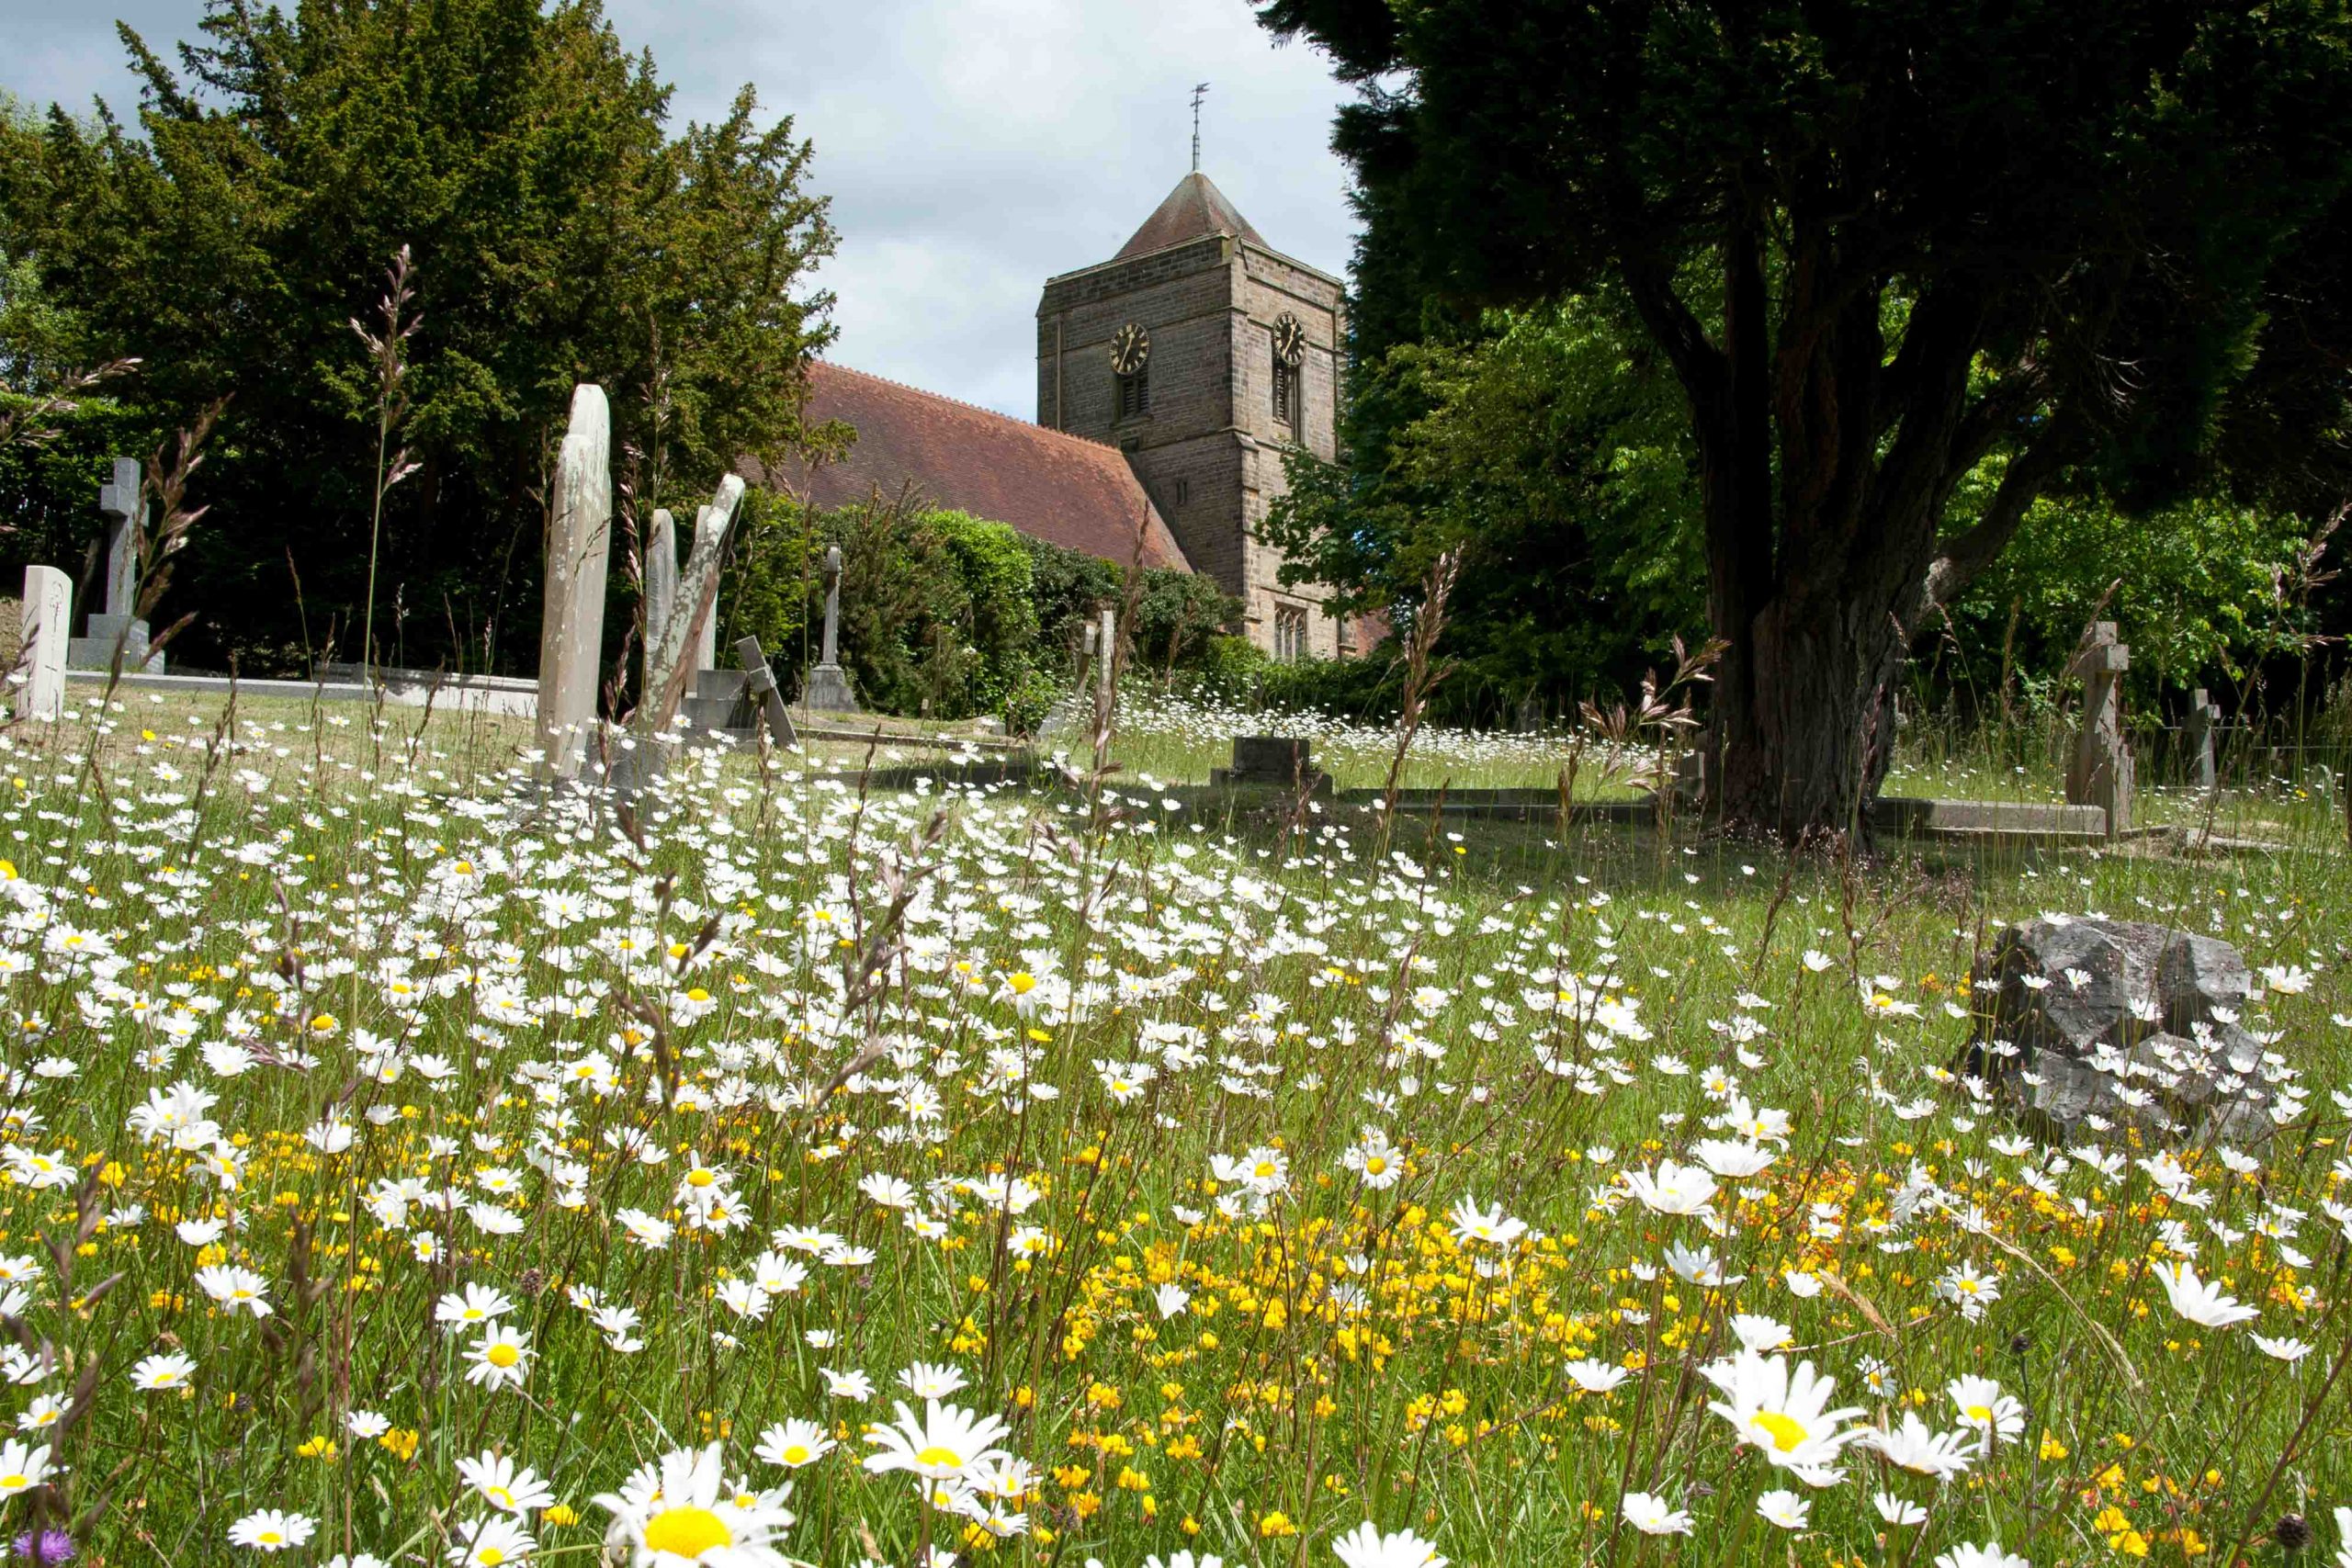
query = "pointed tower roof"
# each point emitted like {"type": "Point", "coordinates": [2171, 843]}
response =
{"type": "Point", "coordinates": [1194, 209]}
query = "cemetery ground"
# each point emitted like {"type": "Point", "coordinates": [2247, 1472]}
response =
{"type": "Point", "coordinates": [403, 1156]}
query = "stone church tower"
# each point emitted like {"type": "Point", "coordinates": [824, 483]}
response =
{"type": "Point", "coordinates": [1201, 352]}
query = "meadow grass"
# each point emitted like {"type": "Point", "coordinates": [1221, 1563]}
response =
{"type": "Point", "coordinates": [402, 1157]}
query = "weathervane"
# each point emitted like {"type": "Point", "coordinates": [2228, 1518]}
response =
{"type": "Point", "coordinates": [1200, 91]}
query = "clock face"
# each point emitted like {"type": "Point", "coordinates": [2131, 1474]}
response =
{"type": "Point", "coordinates": [1290, 339]}
{"type": "Point", "coordinates": [1130, 346]}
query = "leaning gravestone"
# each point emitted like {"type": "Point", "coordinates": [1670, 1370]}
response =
{"type": "Point", "coordinates": [827, 688]}
{"type": "Point", "coordinates": [122, 502]}
{"type": "Point", "coordinates": [2099, 772]}
{"type": "Point", "coordinates": [571, 632]}
{"type": "Point", "coordinates": [2198, 729]}
{"type": "Point", "coordinates": [2134, 1025]}
{"type": "Point", "coordinates": [673, 657]}
{"type": "Point", "coordinates": [47, 616]}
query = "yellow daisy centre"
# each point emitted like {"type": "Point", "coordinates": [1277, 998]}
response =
{"type": "Point", "coordinates": [1787, 1433]}
{"type": "Point", "coordinates": [1980, 1413]}
{"type": "Point", "coordinates": [687, 1531]}
{"type": "Point", "coordinates": [1024, 983]}
{"type": "Point", "coordinates": [501, 1355]}
{"type": "Point", "coordinates": [1264, 1170]}
{"type": "Point", "coordinates": [500, 1496]}
{"type": "Point", "coordinates": [17, 1482]}
{"type": "Point", "coordinates": [490, 1557]}
{"type": "Point", "coordinates": [1377, 1164]}
{"type": "Point", "coordinates": [699, 1178]}
{"type": "Point", "coordinates": [936, 1454]}
{"type": "Point", "coordinates": [797, 1453]}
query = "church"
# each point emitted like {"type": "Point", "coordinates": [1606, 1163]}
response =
{"type": "Point", "coordinates": [1169, 380]}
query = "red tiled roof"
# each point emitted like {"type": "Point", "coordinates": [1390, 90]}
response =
{"type": "Point", "coordinates": [1062, 489]}
{"type": "Point", "coordinates": [1194, 209]}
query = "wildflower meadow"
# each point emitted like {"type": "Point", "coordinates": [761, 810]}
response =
{"type": "Point", "coordinates": [406, 1165]}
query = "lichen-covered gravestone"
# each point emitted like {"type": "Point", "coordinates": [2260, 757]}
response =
{"type": "Point", "coordinates": [580, 539]}
{"type": "Point", "coordinates": [47, 616]}
{"type": "Point", "coordinates": [2096, 1024]}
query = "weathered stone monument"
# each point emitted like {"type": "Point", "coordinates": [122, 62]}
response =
{"type": "Point", "coordinates": [1271, 761]}
{"type": "Point", "coordinates": [2100, 773]}
{"type": "Point", "coordinates": [571, 631]}
{"type": "Point", "coordinates": [827, 690]}
{"type": "Point", "coordinates": [122, 502]}
{"type": "Point", "coordinates": [1106, 658]}
{"type": "Point", "coordinates": [706, 643]}
{"type": "Point", "coordinates": [2197, 734]}
{"type": "Point", "coordinates": [48, 617]}
{"type": "Point", "coordinates": [674, 660]}
{"type": "Point", "coordinates": [661, 585]}
{"type": "Point", "coordinates": [2132, 1024]}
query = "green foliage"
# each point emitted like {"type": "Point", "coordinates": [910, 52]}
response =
{"type": "Point", "coordinates": [948, 616]}
{"type": "Point", "coordinates": [2196, 590]}
{"type": "Point", "coordinates": [771, 588]}
{"type": "Point", "coordinates": [1550, 447]}
{"type": "Point", "coordinates": [560, 232]}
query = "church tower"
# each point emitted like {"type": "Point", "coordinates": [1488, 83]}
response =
{"type": "Point", "coordinates": [1201, 352]}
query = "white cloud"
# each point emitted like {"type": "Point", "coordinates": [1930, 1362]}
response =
{"type": "Point", "coordinates": [972, 148]}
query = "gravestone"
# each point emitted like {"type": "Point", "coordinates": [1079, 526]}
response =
{"type": "Point", "coordinates": [2136, 1026]}
{"type": "Point", "coordinates": [1106, 660]}
{"type": "Point", "coordinates": [2100, 773]}
{"type": "Point", "coordinates": [1271, 761]}
{"type": "Point", "coordinates": [2197, 734]}
{"type": "Point", "coordinates": [122, 502]}
{"type": "Point", "coordinates": [580, 539]}
{"type": "Point", "coordinates": [660, 586]}
{"type": "Point", "coordinates": [47, 616]}
{"type": "Point", "coordinates": [707, 642]}
{"type": "Point", "coordinates": [672, 667]}
{"type": "Point", "coordinates": [827, 690]}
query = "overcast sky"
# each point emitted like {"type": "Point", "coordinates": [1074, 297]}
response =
{"type": "Point", "coordinates": [972, 148]}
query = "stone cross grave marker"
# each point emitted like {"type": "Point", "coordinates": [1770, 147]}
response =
{"type": "Point", "coordinates": [580, 539]}
{"type": "Point", "coordinates": [2196, 731]}
{"type": "Point", "coordinates": [122, 502]}
{"type": "Point", "coordinates": [827, 688]}
{"type": "Point", "coordinates": [47, 616]}
{"type": "Point", "coordinates": [2100, 771]}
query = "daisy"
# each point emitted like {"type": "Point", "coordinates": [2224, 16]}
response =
{"type": "Point", "coordinates": [1784, 1413]}
{"type": "Point", "coordinates": [2199, 1301]}
{"type": "Point", "coordinates": [1989, 1555]}
{"type": "Point", "coordinates": [169, 1370]}
{"type": "Point", "coordinates": [1596, 1377]}
{"type": "Point", "coordinates": [268, 1530]}
{"type": "Point", "coordinates": [476, 1303]}
{"type": "Point", "coordinates": [1472, 1223]}
{"type": "Point", "coordinates": [1985, 1408]}
{"type": "Point", "coordinates": [1672, 1189]}
{"type": "Point", "coordinates": [846, 1385]}
{"type": "Point", "coordinates": [942, 1444]}
{"type": "Point", "coordinates": [794, 1443]}
{"type": "Point", "coordinates": [1914, 1446]}
{"type": "Point", "coordinates": [1895, 1510]}
{"type": "Point", "coordinates": [23, 1466]}
{"type": "Point", "coordinates": [928, 1380]}
{"type": "Point", "coordinates": [1784, 1508]}
{"type": "Point", "coordinates": [489, 1543]}
{"type": "Point", "coordinates": [1367, 1547]}
{"type": "Point", "coordinates": [502, 1356]}
{"type": "Point", "coordinates": [2287, 1350]}
{"type": "Point", "coordinates": [235, 1288]}
{"type": "Point", "coordinates": [1655, 1515]}
{"type": "Point", "coordinates": [502, 1486]}
{"type": "Point", "coordinates": [673, 1515]}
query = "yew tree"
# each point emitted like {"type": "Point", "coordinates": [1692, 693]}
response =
{"type": "Point", "coordinates": [1884, 244]}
